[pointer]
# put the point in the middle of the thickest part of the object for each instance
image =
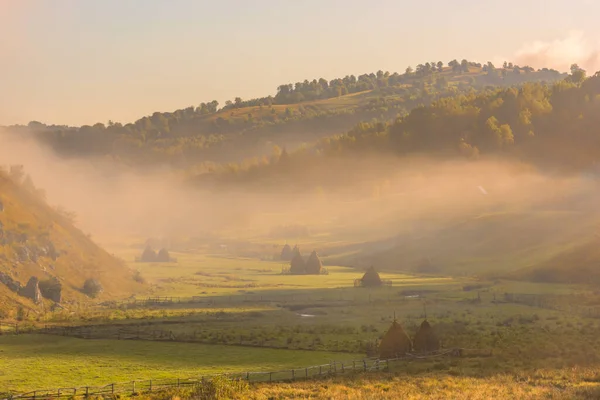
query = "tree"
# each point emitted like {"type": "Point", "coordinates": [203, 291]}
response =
{"type": "Point", "coordinates": [464, 66]}
{"type": "Point", "coordinates": [578, 74]}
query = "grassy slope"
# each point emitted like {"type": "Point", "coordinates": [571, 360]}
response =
{"type": "Point", "coordinates": [494, 243]}
{"type": "Point", "coordinates": [79, 258]}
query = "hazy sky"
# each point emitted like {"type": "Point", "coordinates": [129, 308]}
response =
{"type": "Point", "coordinates": [85, 61]}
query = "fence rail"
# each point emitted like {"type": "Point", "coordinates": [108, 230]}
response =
{"type": "Point", "coordinates": [294, 374]}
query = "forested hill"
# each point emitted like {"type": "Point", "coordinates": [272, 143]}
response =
{"type": "Point", "coordinates": [555, 126]}
{"type": "Point", "coordinates": [296, 114]}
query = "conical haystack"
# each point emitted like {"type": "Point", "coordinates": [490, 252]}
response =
{"type": "Point", "coordinates": [313, 264]}
{"type": "Point", "coordinates": [148, 255]}
{"type": "Point", "coordinates": [371, 278]}
{"type": "Point", "coordinates": [286, 253]}
{"type": "Point", "coordinates": [163, 255]}
{"type": "Point", "coordinates": [295, 251]}
{"type": "Point", "coordinates": [395, 342]}
{"type": "Point", "coordinates": [425, 339]}
{"type": "Point", "coordinates": [297, 265]}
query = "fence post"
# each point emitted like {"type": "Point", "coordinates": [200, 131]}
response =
{"type": "Point", "coordinates": [34, 393]}
{"type": "Point", "coordinates": [112, 389]}
{"type": "Point", "coordinates": [365, 365]}
{"type": "Point", "coordinates": [87, 392]}
{"type": "Point", "coordinates": [150, 384]}
{"type": "Point", "coordinates": [293, 375]}
{"type": "Point", "coordinates": [133, 389]}
{"type": "Point", "coordinates": [342, 368]}
{"type": "Point", "coordinates": [320, 370]}
{"type": "Point", "coordinates": [307, 372]}
{"type": "Point", "coordinates": [177, 382]}
{"type": "Point", "coordinates": [270, 377]}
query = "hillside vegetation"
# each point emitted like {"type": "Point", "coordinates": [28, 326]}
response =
{"type": "Point", "coordinates": [552, 126]}
{"type": "Point", "coordinates": [44, 259]}
{"type": "Point", "coordinates": [298, 113]}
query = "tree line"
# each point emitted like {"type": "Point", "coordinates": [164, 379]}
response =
{"type": "Point", "coordinates": [550, 125]}
{"type": "Point", "coordinates": [185, 136]}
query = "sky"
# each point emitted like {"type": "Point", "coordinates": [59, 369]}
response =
{"type": "Point", "coordinates": [76, 62]}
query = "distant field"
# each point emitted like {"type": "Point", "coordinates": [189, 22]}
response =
{"type": "Point", "coordinates": [42, 362]}
{"type": "Point", "coordinates": [250, 317]}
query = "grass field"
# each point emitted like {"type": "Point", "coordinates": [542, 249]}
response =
{"type": "Point", "coordinates": [250, 317]}
{"type": "Point", "coordinates": [41, 362]}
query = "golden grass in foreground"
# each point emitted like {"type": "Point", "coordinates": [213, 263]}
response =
{"type": "Point", "coordinates": [560, 385]}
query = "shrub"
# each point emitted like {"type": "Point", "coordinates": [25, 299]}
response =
{"type": "Point", "coordinates": [220, 388]}
{"type": "Point", "coordinates": [137, 276]}
{"type": "Point", "coordinates": [92, 287]}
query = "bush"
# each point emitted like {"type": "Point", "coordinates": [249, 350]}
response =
{"type": "Point", "coordinates": [220, 388]}
{"type": "Point", "coordinates": [137, 276]}
{"type": "Point", "coordinates": [92, 287]}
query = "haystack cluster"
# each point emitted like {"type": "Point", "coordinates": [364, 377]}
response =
{"type": "Point", "coordinates": [396, 343]}
{"type": "Point", "coordinates": [312, 266]}
{"type": "Point", "coordinates": [150, 255]}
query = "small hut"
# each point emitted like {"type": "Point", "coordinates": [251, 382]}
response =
{"type": "Point", "coordinates": [426, 340]}
{"type": "Point", "coordinates": [395, 343]}
{"type": "Point", "coordinates": [371, 278]}
{"type": "Point", "coordinates": [297, 265]}
{"type": "Point", "coordinates": [163, 256]}
{"type": "Point", "coordinates": [313, 264]}
{"type": "Point", "coordinates": [286, 253]}
{"type": "Point", "coordinates": [148, 255]}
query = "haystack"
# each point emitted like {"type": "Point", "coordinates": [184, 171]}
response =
{"type": "Point", "coordinates": [395, 342]}
{"type": "Point", "coordinates": [297, 265]}
{"type": "Point", "coordinates": [425, 339]}
{"type": "Point", "coordinates": [148, 255]}
{"type": "Point", "coordinates": [313, 264]}
{"type": "Point", "coordinates": [163, 256]}
{"type": "Point", "coordinates": [286, 253]}
{"type": "Point", "coordinates": [371, 278]}
{"type": "Point", "coordinates": [295, 251]}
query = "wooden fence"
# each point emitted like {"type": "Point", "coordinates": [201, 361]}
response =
{"type": "Point", "coordinates": [319, 371]}
{"type": "Point", "coordinates": [346, 295]}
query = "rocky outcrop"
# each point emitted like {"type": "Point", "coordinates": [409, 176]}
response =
{"type": "Point", "coordinates": [7, 280]}
{"type": "Point", "coordinates": [32, 290]}
{"type": "Point", "coordinates": [51, 289]}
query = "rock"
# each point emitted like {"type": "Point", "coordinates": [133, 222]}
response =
{"type": "Point", "coordinates": [51, 289]}
{"type": "Point", "coordinates": [10, 282]}
{"type": "Point", "coordinates": [22, 254]}
{"type": "Point", "coordinates": [32, 290]}
{"type": "Point", "coordinates": [51, 251]}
